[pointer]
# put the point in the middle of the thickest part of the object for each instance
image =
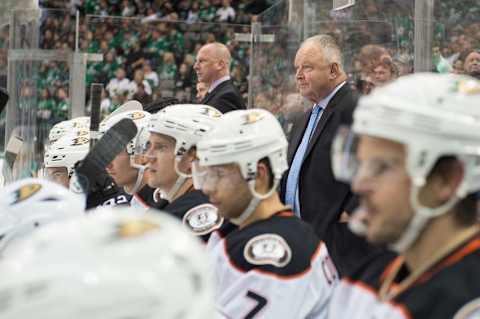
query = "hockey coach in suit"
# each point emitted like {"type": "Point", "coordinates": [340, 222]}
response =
{"type": "Point", "coordinates": [213, 68]}
{"type": "Point", "coordinates": [309, 185]}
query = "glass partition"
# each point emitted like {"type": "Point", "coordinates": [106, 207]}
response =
{"type": "Point", "coordinates": [380, 41]}
{"type": "Point", "coordinates": [38, 84]}
{"type": "Point", "coordinates": [4, 34]}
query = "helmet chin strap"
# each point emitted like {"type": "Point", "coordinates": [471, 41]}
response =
{"type": "Point", "coordinates": [254, 202]}
{"type": "Point", "coordinates": [420, 218]}
{"type": "Point", "coordinates": [179, 173]}
{"type": "Point", "coordinates": [141, 171]}
{"type": "Point", "coordinates": [138, 182]}
{"type": "Point", "coordinates": [174, 190]}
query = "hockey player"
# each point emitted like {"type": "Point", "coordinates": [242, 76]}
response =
{"type": "Point", "coordinates": [273, 265]}
{"type": "Point", "coordinates": [117, 264]}
{"type": "Point", "coordinates": [173, 132]}
{"type": "Point", "coordinates": [61, 157]}
{"type": "Point", "coordinates": [413, 157]}
{"type": "Point", "coordinates": [128, 169]}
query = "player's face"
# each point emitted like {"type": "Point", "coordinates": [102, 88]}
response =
{"type": "Point", "coordinates": [227, 189]}
{"type": "Point", "coordinates": [58, 175]}
{"type": "Point", "coordinates": [121, 171]}
{"type": "Point", "coordinates": [312, 73]}
{"type": "Point", "coordinates": [384, 188]}
{"type": "Point", "coordinates": [161, 160]}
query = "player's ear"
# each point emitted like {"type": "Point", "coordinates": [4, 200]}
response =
{"type": "Point", "coordinates": [185, 164]}
{"type": "Point", "coordinates": [445, 178]}
{"type": "Point", "coordinates": [263, 180]}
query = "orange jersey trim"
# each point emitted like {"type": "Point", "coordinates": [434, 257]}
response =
{"type": "Point", "coordinates": [468, 249]}
{"type": "Point", "coordinates": [402, 308]}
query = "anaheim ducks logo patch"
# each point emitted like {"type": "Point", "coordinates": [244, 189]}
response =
{"type": "Point", "coordinates": [211, 112]}
{"type": "Point", "coordinates": [81, 140]}
{"type": "Point", "coordinates": [135, 228]}
{"type": "Point", "coordinates": [467, 86]}
{"type": "Point", "coordinates": [137, 115]}
{"type": "Point", "coordinates": [202, 219]}
{"type": "Point", "coordinates": [252, 117]}
{"type": "Point", "coordinates": [268, 249]}
{"type": "Point", "coordinates": [470, 311]}
{"type": "Point", "coordinates": [26, 191]}
{"type": "Point", "coordinates": [83, 132]}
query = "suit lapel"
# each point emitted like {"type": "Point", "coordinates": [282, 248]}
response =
{"type": "Point", "coordinates": [208, 97]}
{"type": "Point", "coordinates": [331, 108]}
{"type": "Point", "coordinates": [297, 135]}
{"type": "Point", "coordinates": [327, 113]}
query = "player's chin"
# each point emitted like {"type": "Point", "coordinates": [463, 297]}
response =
{"type": "Point", "coordinates": [378, 234]}
{"type": "Point", "coordinates": [153, 183]}
{"type": "Point", "coordinates": [115, 178]}
{"type": "Point", "coordinates": [224, 210]}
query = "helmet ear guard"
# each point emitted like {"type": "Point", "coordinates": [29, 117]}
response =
{"type": "Point", "coordinates": [250, 170]}
{"type": "Point", "coordinates": [186, 158]}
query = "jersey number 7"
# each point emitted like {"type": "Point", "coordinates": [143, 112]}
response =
{"type": "Point", "coordinates": [261, 303]}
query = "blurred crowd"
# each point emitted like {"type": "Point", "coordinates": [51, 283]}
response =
{"type": "Point", "coordinates": [377, 39]}
{"type": "Point", "coordinates": [149, 47]}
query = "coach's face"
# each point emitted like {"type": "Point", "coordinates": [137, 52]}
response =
{"type": "Point", "coordinates": [313, 73]}
{"type": "Point", "coordinates": [206, 65]}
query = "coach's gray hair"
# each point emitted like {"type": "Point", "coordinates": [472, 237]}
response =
{"type": "Point", "coordinates": [329, 46]}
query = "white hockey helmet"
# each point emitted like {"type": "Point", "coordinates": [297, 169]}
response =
{"type": "Point", "coordinates": [67, 151]}
{"type": "Point", "coordinates": [245, 137]}
{"type": "Point", "coordinates": [30, 203]}
{"type": "Point", "coordinates": [434, 116]}
{"type": "Point", "coordinates": [118, 263]}
{"type": "Point", "coordinates": [140, 118]}
{"type": "Point", "coordinates": [69, 126]}
{"type": "Point", "coordinates": [186, 123]}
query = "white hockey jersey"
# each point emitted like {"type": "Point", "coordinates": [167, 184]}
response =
{"type": "Point", "coordinates": [274, 268]}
